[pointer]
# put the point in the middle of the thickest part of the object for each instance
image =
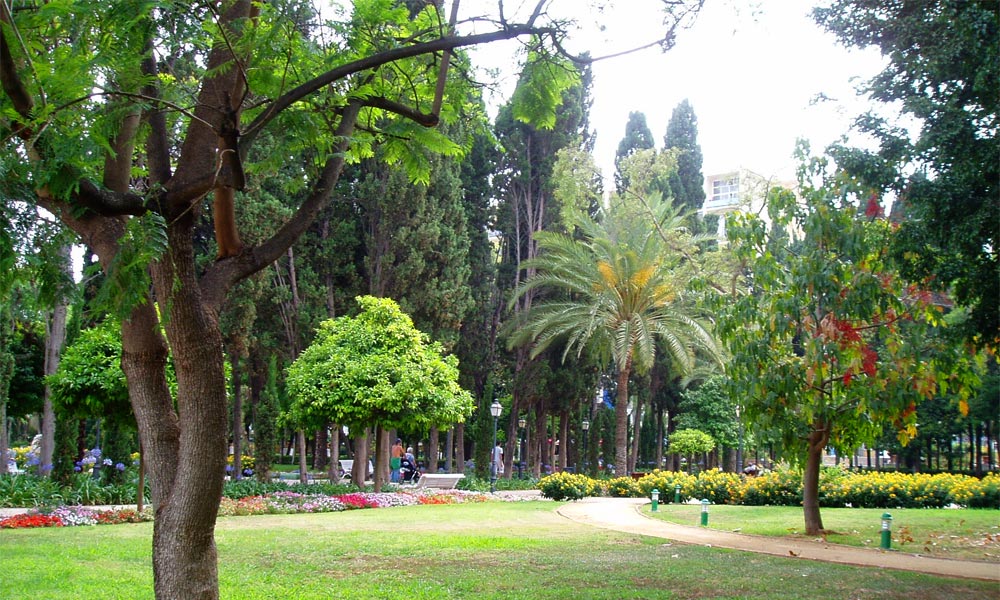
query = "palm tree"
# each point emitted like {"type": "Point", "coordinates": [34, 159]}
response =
{"type": "Point", "coordinates": [618, 284]}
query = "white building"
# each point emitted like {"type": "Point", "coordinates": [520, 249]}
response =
{"type": "Point", "coordinates": [741, 189]}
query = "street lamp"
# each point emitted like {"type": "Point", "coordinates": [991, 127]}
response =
{"type": "Point", "coordinates": [495, 410]}
{"type": "Point", "coordinates": [521, 424]}
{"type": "Point", "coordinates": [586, 428]}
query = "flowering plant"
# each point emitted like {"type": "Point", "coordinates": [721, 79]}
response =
{"type": "Point", "coordinates": [30, 520]}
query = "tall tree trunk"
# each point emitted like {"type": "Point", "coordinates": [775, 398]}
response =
{"type": "Point", "coordinates": [433, 443]}
{"type": "Point", "coordinates": [7, 364]}
{"type": "Point", "coordinates": [321, 442]}
{"type": "Point", "coordinates": [537, 453]}
{"type": "Point", "coordinates": [333, 467]}
{"type": "Point", "coordinates": [989, 445]}
{"type": "Point", "coordinates": [979, 449]}
{"type": "Point", "coordinates": [186, 463]}
{"type": "Point", "coordinates": [972, 448]}
{"type": "Point", "coordinates": [381, 474]}
{"type": "Point", "coordinates": [300, 441]}
{"type": "Point", "coordinates": [659, 438]}
{"type": "Point", "coordinates": [54, 342]}
{"type": "Point", "coordinates": [563, 439]}
{"type": "Point", "coordinates": [234, 359]}
{"type": "Point", "coordinates": [460, 448]}
{"type": "Point", "coordinates": [359, 473]}
{"type": "Point", "coordinates": [4, 435]}
{"type": "Point", "coordinates": [636, 431]}
{"type": "Point", "coordinates": [810, 479]}
{"type": "Point", "coordinates": [621, 420]}
{"type": "Point", "coordinates": [449, 448]}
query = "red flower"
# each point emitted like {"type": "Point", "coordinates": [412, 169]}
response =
{"type": "Point", "coordinates": [24, 521]}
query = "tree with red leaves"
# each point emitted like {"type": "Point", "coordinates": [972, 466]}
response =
{"type": "Point", "coordinates": [830, 346]}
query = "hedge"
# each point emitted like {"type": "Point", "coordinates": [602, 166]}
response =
{"type": "Point", "coordinates": [838, 488]}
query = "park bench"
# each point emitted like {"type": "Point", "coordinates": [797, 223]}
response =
{"type": "Point", "coordinates": [440, 481]}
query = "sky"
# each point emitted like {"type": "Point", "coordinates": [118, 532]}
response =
{"type": "Point", "coordinates": [750, 69]}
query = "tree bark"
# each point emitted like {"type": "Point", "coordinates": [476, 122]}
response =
{"type": "Point", "coordinates": [300, 441]}
{"type": "Point", "coordinates": [333, 467]}
{"type": "Point", "coordinates": [433, 447]}
{"type": "Point", "coordinates": [810, 479]}
{"type": "Point", "coordinates": [460, 448]}
{"type": "Point", "coordinates": [54, 342]}
{"type": "Point", "coordinates": [381, 474]}
{"type": "Point", "coordinates": [234, 359]}
{"type": "Point", "coordinates": [449, 446]}
{"type": "Point", "coordinates": [359, 473]}
{"type": "Point", "coordinates": [321, 442]}
{"type": "Point", "coordinates": [563, 439]}
{"type": "Point", "coordinates": [538, 449]}
{"type": "Point", "coordinates": [621, 420]}
{"type": "Point", "coordinates": [636, 430]}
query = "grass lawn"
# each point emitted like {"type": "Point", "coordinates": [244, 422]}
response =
{"type": "Point", "coordinates": [968, 534]}
{"type": "Point", "coordinates": [490, 551]}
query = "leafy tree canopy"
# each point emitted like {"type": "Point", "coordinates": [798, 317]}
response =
{"type": "Point", "coordinates": [691, 441]}
{"type": "Point", "coordinates": [831, 343]}
{"type": "Point", "coordinates": [710, 409]}
{"type": "Point", "coordinates": [375, 369]}
{"type": "Point", "coordinates": [943, 70]}
{"type": "Point", "coordinates": [89, 382]}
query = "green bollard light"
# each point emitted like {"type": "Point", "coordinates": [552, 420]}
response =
{"type": "Point", "coordinates": [886, 531]}
{"type": "Point", "coordinates": [677, 493]}
{"type": "Point", "coordinates": [704, 512]}
{"type": "Point", "coordinates": [655, 494]}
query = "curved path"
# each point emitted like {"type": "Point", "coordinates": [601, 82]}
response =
{"type": "Point", "coordinates": [622, 514]}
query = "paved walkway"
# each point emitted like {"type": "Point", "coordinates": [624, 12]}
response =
{"type": "Point", "coordinates": [622, 514]}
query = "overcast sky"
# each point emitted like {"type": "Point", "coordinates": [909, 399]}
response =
{"type": "Point", "coordinates": [749, 69]}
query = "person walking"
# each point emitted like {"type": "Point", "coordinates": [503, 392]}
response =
{"type": "Point", "coordinates": [498, 458]}
{"type": "Point", "coordinates": [396, 456]}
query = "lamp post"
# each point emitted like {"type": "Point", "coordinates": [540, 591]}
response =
{"type": "Point", "coordinates": [495, 410]}
{"type": "Point", "coordinates": [886, 543]}
{"type": "Point", "coordinates": [521, 424]}
{"type": "Point", "coordinates": [586, 430]}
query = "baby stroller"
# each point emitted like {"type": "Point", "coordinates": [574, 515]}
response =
{"type": "Point", "coordinates": [408, 472]}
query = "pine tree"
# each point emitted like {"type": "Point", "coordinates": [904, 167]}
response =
{"type": "Point", "coordinates": [637, 137]}
{"type": "Point", "coordinates": [687, 185]}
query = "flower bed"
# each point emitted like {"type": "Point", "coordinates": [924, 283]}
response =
{"type": "Point", "coordinates": [783, 487]}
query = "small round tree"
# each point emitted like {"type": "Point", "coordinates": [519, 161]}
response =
{"type": "Point", "coordinates": [375, 369]}
{"type": "Point", "coordinates": [689, 442]}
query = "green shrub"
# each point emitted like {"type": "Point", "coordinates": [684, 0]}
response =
{"type": "Point", "coordinates": [84, 489]}
{"type": "Point", "coordinates": [568, 486]}
{"type": "Point", "coordinates": [776, 488]}
{"type": "Point", "coordinates": [666, 482]}
{"type": "Point", "coordinates": [978, 493]}
{"type": "Point", "coordinates": [28, 491]}
{"type": "Point", "coordinates": [718, 487]}
{"type": "Point", "coordinates": [623, 487]}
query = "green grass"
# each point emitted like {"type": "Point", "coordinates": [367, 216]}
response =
{"type": "Point", "coordinates": [489, 551]}
{"type": "Point", "coordinates": [967, 534]}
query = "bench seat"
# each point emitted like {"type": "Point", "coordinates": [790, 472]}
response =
{"type": "Point", "coordinates": [440, 481]}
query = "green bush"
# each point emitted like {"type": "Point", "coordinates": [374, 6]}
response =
{"type": "Point", "coordinates": [718, 487]}
{"type": "Point", "coordinates": [568, 486]}
{"type": "Point", "coordinates": [623, 487]}
{"type": "Point", "coordinates": [666, 482]}
{"type": "Point", "coordinates": [978, 493]}
{"type": "Point", "coordinates": [775, 488]}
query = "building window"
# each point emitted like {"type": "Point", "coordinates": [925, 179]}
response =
{"type": "Point", "coordinates": [725, 191]}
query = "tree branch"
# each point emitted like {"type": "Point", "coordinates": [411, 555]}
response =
{"type": "Point", "coordinates": [221, 275]}
{"type": "Point", "coordinates": [427, 120]}
{"type": "Point", "coordinates": [377, 60]}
